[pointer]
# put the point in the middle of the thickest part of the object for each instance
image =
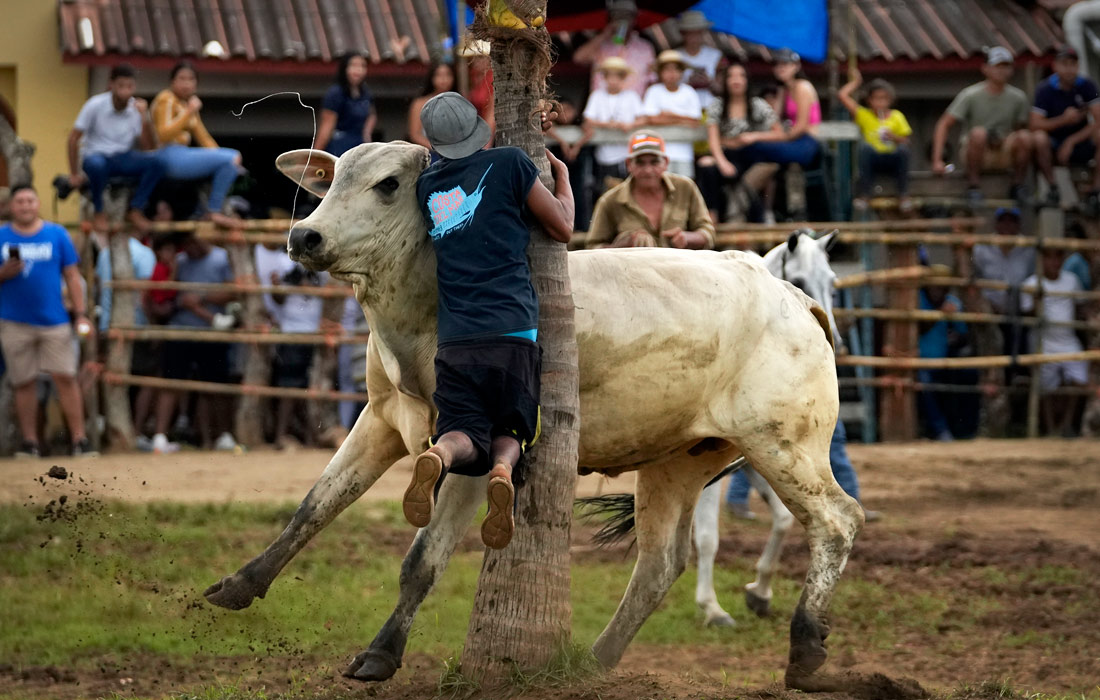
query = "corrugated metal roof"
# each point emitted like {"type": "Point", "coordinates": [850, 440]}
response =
{"type": "Point", "coordinates": [399, 31]}
{"type": "Point", "coordinates": [396, 31]}
{"type": "Point", "coordinates": [893, 30]}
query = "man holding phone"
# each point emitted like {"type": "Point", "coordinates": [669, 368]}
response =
{"type": "Point", "coordinates": [35, 331]}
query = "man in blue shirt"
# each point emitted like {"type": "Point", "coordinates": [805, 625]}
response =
{"type": "Point", "coordinates": [34, 325]}
{"type": "Point", "coordinates": [488, 362]}
{"type": "Point", "coordinates": [1061, 127]}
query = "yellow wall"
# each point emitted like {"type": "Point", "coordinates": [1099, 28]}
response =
{"type": "Point", "coordinates": [45, 93]}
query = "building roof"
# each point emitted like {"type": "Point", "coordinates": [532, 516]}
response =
{"type": "Point", "coordinates": [407, 31]}
{"type": "Point", "coordinates": [392, 31]}
{"type": "Point", "coordinates": [915, 30]}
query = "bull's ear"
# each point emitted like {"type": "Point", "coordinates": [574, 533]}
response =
{"type": "Point", "coordinates": [792, 241]}
{"type": "Point", "coordinates": [310, 168]}
{"type": "Point", "coordinates": [827, 241]}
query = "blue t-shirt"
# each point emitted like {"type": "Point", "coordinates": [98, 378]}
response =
{"type": "Point", "coordinates": [474, 210]}
{"type": "Point", "coordinates": [212, 268]}
{"type": "Point", "coordinates": [143, 261]}
{"type": "Point", "coordinates": [935, 342]}
{"type": "Point", "coordinates": [34, 297]}
{"type": "Point", "coordinates": [1051, 100]}
{"type": "Point", "coordinates": [351, 115]}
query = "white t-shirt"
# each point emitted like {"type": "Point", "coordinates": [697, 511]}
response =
{"type": "Point", "coordinates": [685, 103]}
{"type": "Point", "coordinates": [706, 61]}
{"type": "Point", "coordinates": [108, 131]}
{"type": "Point", "coordinates": [625, 107]}
{"type": "Point", "coordinates": [1056, 339]}
{"type": "Point", "coordinates": [298, 313]}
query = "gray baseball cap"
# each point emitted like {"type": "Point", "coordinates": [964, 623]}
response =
{"type": "Point", "coordinates": [998, 55]}
{"type": "Point", "coordinates": [453, 127]}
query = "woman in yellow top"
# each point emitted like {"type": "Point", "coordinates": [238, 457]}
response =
{"type": "Point", "coordinates": [179, 128]}
{"type": "Point", "coordinates": [885, 147]}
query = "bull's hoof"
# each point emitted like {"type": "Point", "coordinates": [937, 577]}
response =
{"type": "Point", "coordinates": [757, 604]}
{"type": "Point", "coordinates": [373, 665]}
{"type": "Point", "coordinates": [807, 644]}
{"type": "Point", "coordinates": [722, 620]}
{"type": "Point", "coordinates": [235, 592]}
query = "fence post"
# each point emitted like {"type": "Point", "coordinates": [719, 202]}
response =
{"type": "Point", "coordinates": [248, 425]}
{"type": "Point", "coordinates": [120, 351]}
{"type": "Point", "coordinates": [1036, 338]}
{"type": "Point", "coordinates": [325, 415]}
{"type": "Point", "coordinates": [898, 420]}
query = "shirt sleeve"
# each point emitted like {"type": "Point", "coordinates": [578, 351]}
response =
{"type": "Point", "coordinates": [865, 119]}
{"type": "Point", "coordinates": [1027, 302]}
{"type": "Point", "coordinates": [334, 99]}
{"type": "Point", "coordinates": [602, 229]}
{"type": "Point", "coordinates": [960, 106]}
{"type": "Point", "coordinates": [651, 105]}
{"type": "Point", "coordinates": [714, 110]}
{"type": "Point", "coordinates": [1090, 94]}
{"type": "Point", "coordinates": [899, 125]}
{"type": "Point", "coordinates": [692, 107]}
{"type": "Point", "coordinates": [592, 110]}
{"type": "Point", "coordinates": [1042, 101]}
{"type": "Point", "coordinates": [68, 250]}
{"type": "Point", "coordinates": [84, 118]}
{"type": "Point", "coordinates": [764, 115]}
{"type": "Point", "coordinates": [1023, 110]}
{"type": "Point", "coordinates": [525, 173]}
{"type": "Point", "coordinates": [699, 217]}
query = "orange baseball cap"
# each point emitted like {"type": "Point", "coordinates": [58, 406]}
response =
{"type": "Point", "coordinates": [644, 142]}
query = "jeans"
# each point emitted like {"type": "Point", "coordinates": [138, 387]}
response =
{"type": "Point", "coordinates": [804, 150]}
{"type": "Point", "coordinates": [145, 165]}
{"type": "Point", "coordinates": [711, 183]}
{"type": "Point", "coordinates": [843, 472]}
{"type": "Point", "coordinates": [872, 162]}
{"type": "Point", "coordinates": [188, 163]}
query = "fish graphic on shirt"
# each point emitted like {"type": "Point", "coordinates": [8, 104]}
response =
{"type": "Point", "coordinates": [454, 209]}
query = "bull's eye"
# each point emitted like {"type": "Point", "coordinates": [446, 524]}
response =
{"type": "Point", "coordinates": [389, 185]}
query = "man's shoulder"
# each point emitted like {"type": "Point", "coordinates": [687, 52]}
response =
{"type": "Point", "coordinates": [54, 230]}
{"type": "Point", "coordinates": [1015, 93]}
{"type": "Point", "coordinates": [97, 100]}
{"type": "Point", "coordinates": [1086, 87]}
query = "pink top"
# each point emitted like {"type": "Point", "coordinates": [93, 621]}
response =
{"type": "Point", "coordinates": [790, 111]}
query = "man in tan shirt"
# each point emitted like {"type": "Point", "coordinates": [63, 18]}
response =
{"type": "Point", "coordinates": [652, 207]}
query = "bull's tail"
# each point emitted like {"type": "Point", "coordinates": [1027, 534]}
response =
{"type": "Point", "coordinates": [616, 510]}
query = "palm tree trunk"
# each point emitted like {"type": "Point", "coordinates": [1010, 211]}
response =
{"type": "Point", "coordinates": [522, 612]}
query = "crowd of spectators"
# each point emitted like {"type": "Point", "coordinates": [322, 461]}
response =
{"type": "Point", "coordinates": [640, 189]}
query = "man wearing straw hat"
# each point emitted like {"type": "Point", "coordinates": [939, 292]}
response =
{"type": "Point", "coordinates": [702, 60]}
{"type": "Point", "coordinates": [670, 103]}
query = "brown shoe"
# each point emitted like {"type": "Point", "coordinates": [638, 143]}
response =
{"type": "Point", "coordinates": [499, 524]}
{"type": "Point", "coordinates": [419, 501]}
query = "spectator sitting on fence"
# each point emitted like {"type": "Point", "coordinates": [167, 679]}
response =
{"type": "Point", "coordinates": [994, 117]}
{"type": "Point", "coordinates": [175, 114]}
{"type": "Point", "coordinates": [668, 103]}
{"type": "Point", "coordinates": [651, 207]}
{"type": "Point", "coordinates": [730, 115]}
{"type": "Point", "coordinates": [1061, 125]}
{"type": "Point", "coordinates": [109, 124]}
{"type": "Point", "coordinates": [1008, 264]}
{"type": "Point", "coordinates": [885, 147]}
{"type": "Point", "coordinates": [946, 415]}
{"type": "Point", "coordinates": [347, 113]}
{"type": "Point", "coordinates": [203, 361]}
{"type": "Point", "coordinates": [1058, 411]}
{"type": "Point", "coordinates": [619, 38]}
{"type": "Point", "coordinates": [291, 313]}
{"type": "Point", "coordinates": [612, 106]}
{"type": "Point", "coordinates": [35, 331]}
{"type": "Point", "coordinates": [702, 60]}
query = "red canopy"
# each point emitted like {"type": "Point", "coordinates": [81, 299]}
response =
{"type": "Point", "coordinates": [577, 15]}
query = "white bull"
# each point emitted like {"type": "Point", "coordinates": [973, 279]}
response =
{"type": "Point", "coordinates": [688, 359]}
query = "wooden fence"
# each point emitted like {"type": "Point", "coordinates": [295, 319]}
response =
{"type": "Point", "coordinates": [891, 412]}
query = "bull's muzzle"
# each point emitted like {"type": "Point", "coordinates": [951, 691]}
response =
{"type": "Point", "coordinates": [304, 243]}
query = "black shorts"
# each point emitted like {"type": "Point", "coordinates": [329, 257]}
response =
{"type": "Point", "coordinates": [292, 364]}
{"type": "Point", "coordinates": [1082, 153]}
{"type": "Point", "coordinates": [205, 362]}
{"type": "Point", "coordinates": [488, 388]}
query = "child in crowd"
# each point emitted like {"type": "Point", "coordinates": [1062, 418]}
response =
{"type": "Point", "coordinates": [612, 107]}
{"type": "Point", "coordinates": [160, 304]}
{"type": "Point", "coordinates": [885, 147]}
{"type": "Point", "coordinates": [1057, 339]}
{"type": "Point", "coordinates": [668, 103]}
{"type": "Point", "coordinates": [487, 364]}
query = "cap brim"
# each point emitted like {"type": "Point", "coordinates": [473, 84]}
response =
{"type": "Point", "coordinates": [469, 145]}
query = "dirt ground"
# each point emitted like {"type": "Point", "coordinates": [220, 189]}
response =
{"type": "Point", "coordinates": [949, 508]}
